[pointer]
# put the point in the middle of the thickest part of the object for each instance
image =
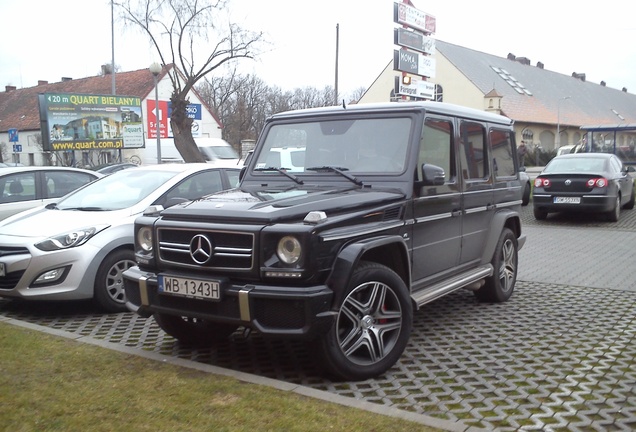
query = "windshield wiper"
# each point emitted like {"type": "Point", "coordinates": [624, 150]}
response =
{"type": "Point", "coordinates": [339, 170]}
{"type": "Point", "coordinates": [84, 208]}
{"type": "Point", "coordinates": [282, 171]}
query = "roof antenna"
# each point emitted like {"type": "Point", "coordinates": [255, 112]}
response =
{"type": "Point", "coordinates": [343, 104]}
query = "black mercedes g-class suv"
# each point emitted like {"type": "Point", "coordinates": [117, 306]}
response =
{"type": "Point", "coordinates": [381, 209]}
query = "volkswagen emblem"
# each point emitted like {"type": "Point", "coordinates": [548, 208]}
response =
{"type": "Point", "coordinates": [200, 249]}
{"type": "Point", "coordinates": [568, 182]}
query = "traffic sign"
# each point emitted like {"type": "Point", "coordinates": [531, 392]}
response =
{"type": "Point", "coordinates": [17, 148]}
{"type": "Point", "coordinates": [13, 135]}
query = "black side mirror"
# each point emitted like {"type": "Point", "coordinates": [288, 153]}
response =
{"type": "Point", "coordinates": [433, 175]}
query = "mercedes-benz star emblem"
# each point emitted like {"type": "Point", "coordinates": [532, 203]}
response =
{"type": "Point", "coordinates": [200, 249]}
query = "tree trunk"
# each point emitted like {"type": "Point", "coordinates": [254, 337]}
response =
{"type": "Point", "coordinates": [182, 130]}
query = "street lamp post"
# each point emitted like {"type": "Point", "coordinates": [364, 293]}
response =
{"type": "Point", "coordinates": [155, 69]}
{"type": "Point", "coordinates": [558, 136]}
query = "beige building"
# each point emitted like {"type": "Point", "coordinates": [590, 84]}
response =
{"type": "Point", "coordinates": [541, 102]}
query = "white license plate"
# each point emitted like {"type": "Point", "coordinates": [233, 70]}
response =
{"type": "Point", "coordinates": [567, 200]}
{"type": "Point", "coordinates": [3, 272]}
{"type": "Point", "coordinates": [185, 287]}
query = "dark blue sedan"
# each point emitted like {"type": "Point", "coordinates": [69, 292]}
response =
{"type": "Point", "coordinates": [584, 182]}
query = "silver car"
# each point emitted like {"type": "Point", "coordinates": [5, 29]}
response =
{"type": "Point", "coordinates": [23, 188]}
{"type": "Point", "coordinates": [78, 247]}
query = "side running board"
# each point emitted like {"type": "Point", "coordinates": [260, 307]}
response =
{"type": "Point", "coordinates": [461, 280]}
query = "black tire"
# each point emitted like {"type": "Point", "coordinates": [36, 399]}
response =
{"type": "Point", "coordinates": [525, 200]}
{"type": "Point", "coordinates": [499, 287]}
{"type": "Point", "coordinates": [109, 283]}
{"type": "Point", "coordinates": [614, 214]}
{"type": "Point", "coordinates": [372, 327]}
{"type": "Point", "coordinates": [540, 214]}
{"type": "Point", "coordinates": [630, 203]}
{"type": "Point", "coordinates": [194, 331]}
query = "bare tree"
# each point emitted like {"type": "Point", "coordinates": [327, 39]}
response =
{"type": "Point", "coordinates": [356, 94]}
{"type": "Point", "coordinates": [180, 32]}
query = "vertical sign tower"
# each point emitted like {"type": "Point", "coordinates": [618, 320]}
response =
{"type": "Point", "coordinates": [415, 56]}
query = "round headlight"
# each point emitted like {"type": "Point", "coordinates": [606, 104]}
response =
{"type": "Point", "coordinates": [289, 250]}
{"type": "Point", "coordinates": [144, 238]}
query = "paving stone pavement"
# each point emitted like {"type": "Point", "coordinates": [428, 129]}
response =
{"type": "Point", "coordinates": [559, 356]}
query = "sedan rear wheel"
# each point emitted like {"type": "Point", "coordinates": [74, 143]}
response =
{"type": "Point", "coordinates": [540, 214]}
{"type": "Point", "coordinates": [632, 198]}
{"type": "Point", "coordinates": [615, 213]}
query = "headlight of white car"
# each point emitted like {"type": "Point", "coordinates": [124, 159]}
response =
{"type": "Point", "coordinates": [69, 239]}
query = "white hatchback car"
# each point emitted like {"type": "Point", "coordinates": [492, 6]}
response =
{"type": "Point", "coordinates": [78, 247]}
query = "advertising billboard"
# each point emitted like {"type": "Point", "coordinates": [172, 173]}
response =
{"type": "Point", "coordinates": [90, 122]}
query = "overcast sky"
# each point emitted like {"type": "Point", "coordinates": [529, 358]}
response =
{"type": "Point", "coordinates": [51, 39]}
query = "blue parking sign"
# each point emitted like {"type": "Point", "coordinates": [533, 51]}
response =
{"type": "Point", "coordinates": [13, 135]}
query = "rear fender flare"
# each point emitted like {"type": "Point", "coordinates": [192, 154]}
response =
{"type": "Point", "coordinates": [505, 218]}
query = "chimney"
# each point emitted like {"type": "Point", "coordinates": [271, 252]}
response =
{"type": "Point", "coordinates": [9, 88]}
{"type": "Point", "coordinates": [603, 83]}
{"type": "Point", "coordinates": [580, 76]}
{"type": "Point", "coordinates": [625, 89]}
{"type": "Point", "coordinates": [523, 60]}
{"type": "Point", "coordinates": [106, 69]}
{"type": "Point", "coordinates": [65, 79]}
{"type": "Point", "coordinates": [511, 56]}
{"type": "Point", "coordinates": [540, 65]}
{"type": "Point", "coordinates": [42, 82]}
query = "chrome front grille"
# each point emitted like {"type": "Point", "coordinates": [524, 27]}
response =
{"type": "Point", "coordinates": [218, 250]}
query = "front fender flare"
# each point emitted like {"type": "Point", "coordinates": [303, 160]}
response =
{"type": "Point", "coordinates": [351, 255]}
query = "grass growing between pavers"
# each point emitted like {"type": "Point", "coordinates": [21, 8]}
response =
{"type": "Point", "coordinates": [49, 383]}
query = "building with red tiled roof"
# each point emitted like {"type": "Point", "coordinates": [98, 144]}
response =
{"type": "Point", "coordinates": [19, 109]}
{"type": "Point", "coordinates": [540, 101]}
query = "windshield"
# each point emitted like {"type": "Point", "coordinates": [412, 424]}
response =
{"type": "Point", "coordinates": [372, 145]}
{"type": "Point", "coordinates": [117, 191]}
{"type": "Point", "coordinates": [212, 153]}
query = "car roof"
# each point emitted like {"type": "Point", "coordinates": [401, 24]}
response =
{"type": "Point", "coordinates": [585, 155]}
{"type": "Point", "coordinates": [428, 106]}
{"type": "Point", "coordinates": [182, 167]}
{"type": "Point", "coordinates": [20, 169]}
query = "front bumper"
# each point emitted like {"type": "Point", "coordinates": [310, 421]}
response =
{"type": "Point", "coordinates": [23, 264]}
{"type": "Point", "coordinates": [271, 310]}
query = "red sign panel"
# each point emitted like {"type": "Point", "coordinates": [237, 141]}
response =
{"type": "Point", "coordinates": [153, 121]}
{"type": "Point", "coordinates": [413, 18]}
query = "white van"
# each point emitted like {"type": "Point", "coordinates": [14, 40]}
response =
{"type": "Point", "coordinates": [215, 150]}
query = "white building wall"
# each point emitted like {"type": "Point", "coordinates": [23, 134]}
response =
{"type": "Point", "coordinates": [457, 89]}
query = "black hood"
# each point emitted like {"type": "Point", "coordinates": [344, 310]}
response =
{"type": "Point", "coordinates": [272, 204]}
